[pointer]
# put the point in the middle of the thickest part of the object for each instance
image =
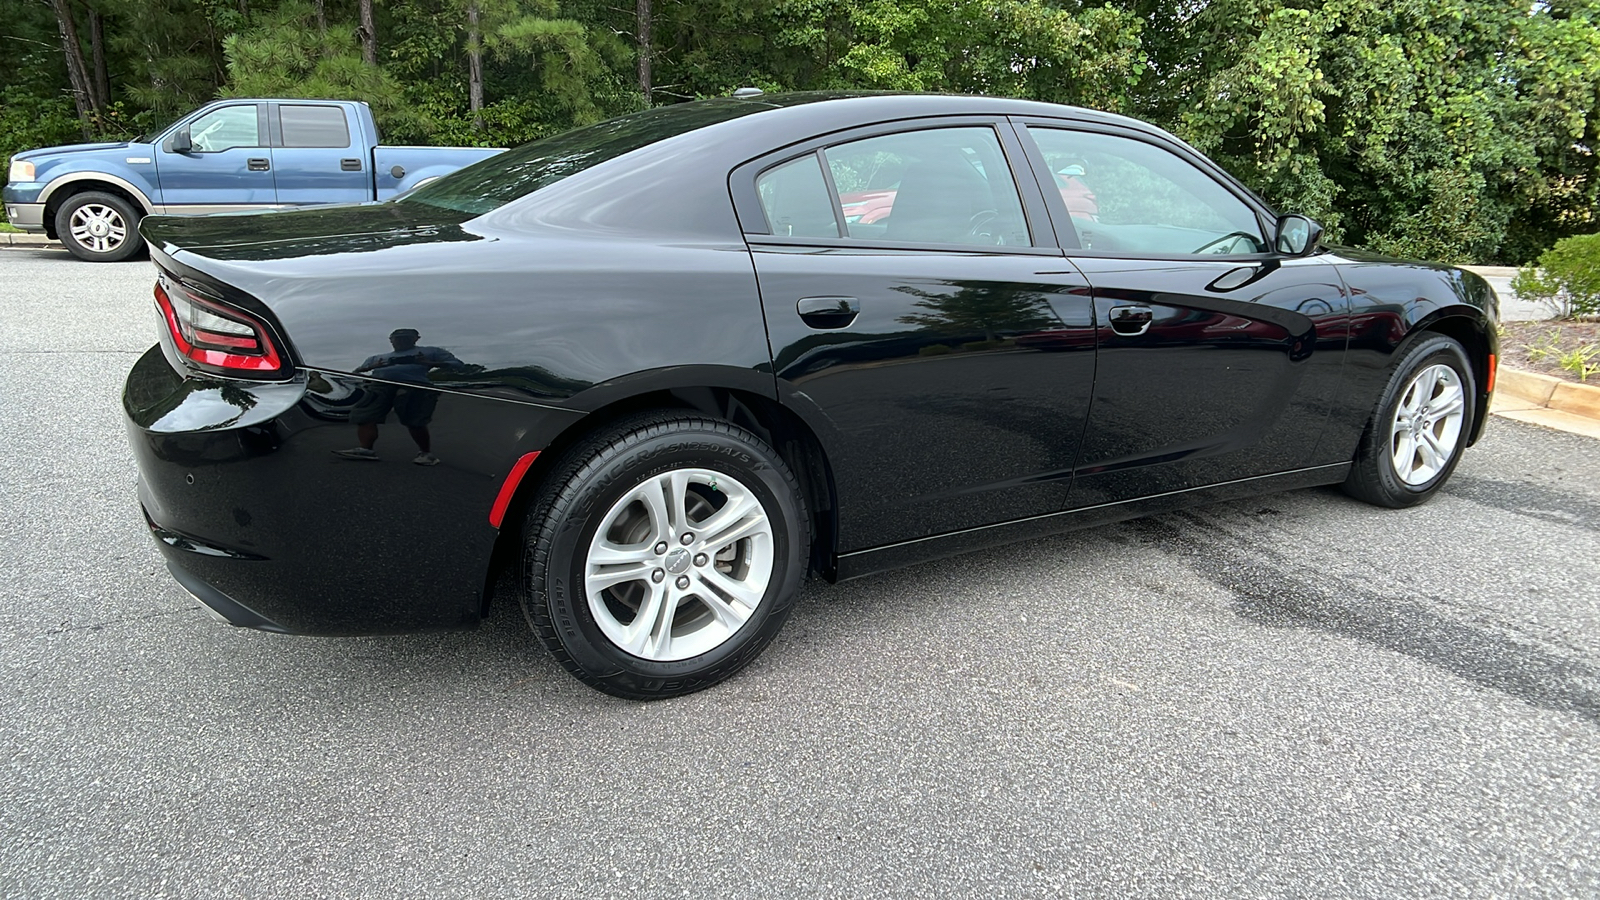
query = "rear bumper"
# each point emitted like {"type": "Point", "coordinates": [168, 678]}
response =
{"type": "Point", "coordinates": [265, 524]}
{"type": "Point", "coordinates": [224, 607]}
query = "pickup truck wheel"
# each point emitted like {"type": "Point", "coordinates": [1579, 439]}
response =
{"type": "Point", "coordinates": [663, 555]}
{"type": "Point", "coordinates": [99, 227]}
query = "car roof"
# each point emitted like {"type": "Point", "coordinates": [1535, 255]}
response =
{"type": "Point", "coordinates": [886, 105]}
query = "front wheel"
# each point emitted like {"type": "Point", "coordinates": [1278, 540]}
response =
{"type": "Point", "coordinates": [98, 227]}
{"type": "Point", "coordinates": [1416, 436]}
{"type": "Point", "coordinates": [664, 555]}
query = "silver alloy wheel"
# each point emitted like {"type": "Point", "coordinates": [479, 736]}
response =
{"type": "Point", "coordinates": [679, 564]}
{"type": "Point", "coordinates": [1427, 424]}
{"type": "Point", "coordinates": [98, 227]}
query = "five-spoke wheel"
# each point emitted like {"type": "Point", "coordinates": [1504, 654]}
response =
{"type": "Point", "coordinates": [664, 554]}
{"type": "Point", "coordinates": [1420, 427]}
{"type": "Point", "coordinates": [1427, 424]}
{"type": "Point", "coordinates": [679, 564]}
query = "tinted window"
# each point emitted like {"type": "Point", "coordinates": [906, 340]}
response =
{"type": "Point", "coordinates": [1128, 196]}
{"type": "Point", "coordinates": [941, 186]}
{"type": "Point", "coordinates": [225, 128]}
{"type": "Point", "coordinates": [313, 126]}
{"type": "Point", "coordinates": [795, 199]}
{"type": "Point", "coordinates": [516, 173]}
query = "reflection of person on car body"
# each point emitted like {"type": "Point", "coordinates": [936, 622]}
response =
{"type": "Point", "coordinates": [412, 406]}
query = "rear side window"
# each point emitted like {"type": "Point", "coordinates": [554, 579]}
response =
{"type": "Point", "coordinates": [939, 186]}
{"type": "Point", "coordinates": [313, 126]}
{"type": "Point", "coordinates": [934, 186]}
{"type": "Point", "coordinates": [795, 199]}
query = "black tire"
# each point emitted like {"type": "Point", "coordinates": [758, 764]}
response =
{"type": "Point", "coordinates": [585, 489]}
{"type": "Point", "coordinates": [121, 219]}
{"type": "Point", "coordinates": [1374, 477]}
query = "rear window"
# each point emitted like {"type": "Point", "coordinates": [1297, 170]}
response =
{"type": "Point", "coordinates": [313, 126]}
{"type": "Point", "coordinates": [517, 173]}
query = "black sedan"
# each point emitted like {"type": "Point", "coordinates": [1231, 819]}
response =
{"type": "Point", "coordinates": [661, 367]}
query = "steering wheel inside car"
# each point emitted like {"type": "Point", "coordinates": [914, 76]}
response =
{"type": "Point", "coordinates": [976, 225]}
{"type": "Point", "coordinates": [1219, 243]}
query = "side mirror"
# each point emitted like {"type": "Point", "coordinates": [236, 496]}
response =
{"type": "Point", "coordinates": [1297, 235]}
{"type": "Point", "coordinates": [181, 142]}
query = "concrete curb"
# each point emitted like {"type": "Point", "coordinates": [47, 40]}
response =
{"type": "Point", "coordinates": [14, 239]}
{"type": "Point", "coordinates": [1543, 400]}
{"type": "Point", "coordinates": [1492, 271]}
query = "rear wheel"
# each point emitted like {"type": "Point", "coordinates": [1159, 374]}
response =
{"type": "Point", "coordinates": [98, 227]}
{"type": "Point", "coordinates": [664, 555]}
{"type": "Point", "coordinates": [1416, 436]}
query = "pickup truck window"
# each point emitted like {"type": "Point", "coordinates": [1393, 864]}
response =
{"type": "Point", "coordinates": [517, 173]}
{"type": "Point", "coordinates": [313, 126]}
{"type": "Point", "coordinates": [226, 128]}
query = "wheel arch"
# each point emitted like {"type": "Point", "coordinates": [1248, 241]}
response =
{"type": "Point", "coordinates": [783, 430]}
{"type": "Point", "coordinates": [70, 185]}
{"type": "Point", "coordinates": [1468, 327]}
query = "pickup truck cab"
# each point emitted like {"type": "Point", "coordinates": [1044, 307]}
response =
{"type": "Point", "coordinates": [226, 156]}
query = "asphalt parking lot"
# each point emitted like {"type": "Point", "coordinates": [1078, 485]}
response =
{"type": "Point", "coordinates": [1297, 695]}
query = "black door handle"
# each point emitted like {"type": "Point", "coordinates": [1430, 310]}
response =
{"type": "Point", "coordinates": [350, 165]}
{"type": "Point", "coordinates": [1131, 320]}
{"type": "Point", "coordinates": [259, 164]}
{"type": "Point", "coordinates": [828, 312]}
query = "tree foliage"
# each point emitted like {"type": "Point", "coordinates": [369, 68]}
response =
{"type": "Point", "coordinates": [1462, 130]}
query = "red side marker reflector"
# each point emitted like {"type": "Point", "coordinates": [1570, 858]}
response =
{"type": "Point", "coordinates": [1494, 366]}
{"type": "Point", "coordinates": [497, 513]}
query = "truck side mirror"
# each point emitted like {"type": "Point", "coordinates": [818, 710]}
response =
{"type": "Point", "coordinates": [181, 142]}
{"type": "Point", "coordinates": [1297, 235]}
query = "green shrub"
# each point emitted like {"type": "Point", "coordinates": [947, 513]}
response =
{"type": "Point", "coordinates": [1567, 277]}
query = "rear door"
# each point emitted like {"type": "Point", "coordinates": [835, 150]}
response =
{"type": "Point", "coordinates": [229, 165]}
{"type": "Point", "coordinates": [1218, 358]}
{"type": "Point", "coordinates": [318, 155]}
{"type": "Point", "coordinates": [922, 318]}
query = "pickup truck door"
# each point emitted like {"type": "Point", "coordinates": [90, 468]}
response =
{"type": "Point", "coordinates": [229, 165]}
{"type": "Point", "coordinates": [319, 156]}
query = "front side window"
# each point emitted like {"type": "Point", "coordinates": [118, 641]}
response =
{"type": "Point", "coordinates": [313, 126]}
{"type": "Point", "coordinates": [1128, 196]}
{"type": "Point", "coordinates": [225, 128]}
{"type": "Point", "coordinates": [940, 185]}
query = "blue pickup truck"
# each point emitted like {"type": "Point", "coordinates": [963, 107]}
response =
{"type": "Point", "coordinates": [226, 156]}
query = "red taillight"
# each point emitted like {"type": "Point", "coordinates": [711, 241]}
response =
{"type": "Point", "coordinates": [218, 338]}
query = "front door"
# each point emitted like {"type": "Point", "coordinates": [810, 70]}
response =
{"type": "Point", "coordinates": [914, 310]}
{"type": "Point", "coordinates": [1218, 359]}
{"type": "Point", "coordinates": [229, 165]}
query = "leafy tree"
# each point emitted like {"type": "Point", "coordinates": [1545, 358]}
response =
{"type": "Point", "coordinates": [289, 52]}
{"type": "Point", "coordinates": [992, 310]}
{"type": "Point", "coordinates": [1454, 129]}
